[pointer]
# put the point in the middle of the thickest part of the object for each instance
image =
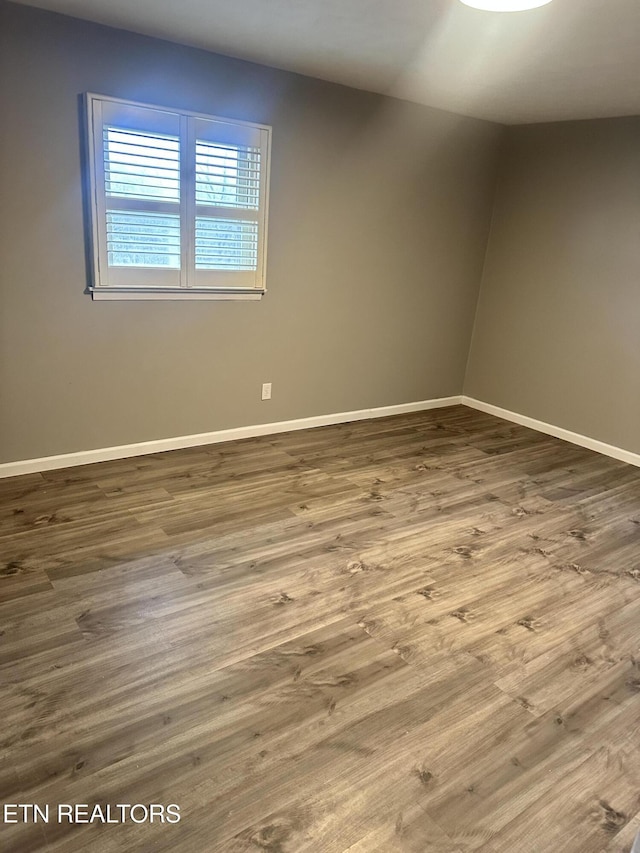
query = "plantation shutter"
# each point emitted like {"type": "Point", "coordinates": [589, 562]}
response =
{"type": "Point", "coordinates": [179, 200]}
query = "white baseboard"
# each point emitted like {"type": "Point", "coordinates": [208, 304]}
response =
{"type": "Point", "coordinates": [557, 432]}
{"type": "Point", "coordinates": [124, 451]}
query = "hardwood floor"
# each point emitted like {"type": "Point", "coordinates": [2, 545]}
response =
{"type": "Point", "coordinates": [413, 634]}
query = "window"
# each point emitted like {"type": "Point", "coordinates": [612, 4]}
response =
{"type": "Point", "coordinates": [178, 203]}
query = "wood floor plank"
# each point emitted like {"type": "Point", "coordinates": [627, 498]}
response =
{"type": "Point", "coordinates": [412, 831]}
{"type": "Point", "coordinates": [589, 806]}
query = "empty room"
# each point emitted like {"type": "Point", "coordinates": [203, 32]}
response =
{"type": "Point", "coordinates": [320, 426]}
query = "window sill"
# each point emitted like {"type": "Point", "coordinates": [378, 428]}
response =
{"type": "Point", "coordinates": [173, 295]}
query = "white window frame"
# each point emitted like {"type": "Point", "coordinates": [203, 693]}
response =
{"type": "Point", "coordinates": [187, 282]}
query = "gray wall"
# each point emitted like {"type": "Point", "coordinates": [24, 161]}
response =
{"type": "Point", "coordinates": [379, 217]}
{"type": "Point", "coordinates": [557, 334]}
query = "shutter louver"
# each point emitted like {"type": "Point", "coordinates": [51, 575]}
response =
{"type": "Point", "coordinates": [227, 175]}
{"type": "Point", "coordinates": [141, 165]}
{"type": "Point", "coordinates": [226, 244]}
{"type": "Point", "coordinates": [143, 239]}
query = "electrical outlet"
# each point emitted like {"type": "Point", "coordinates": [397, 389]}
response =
{"type": "Point", "coordinates": [266, 390]}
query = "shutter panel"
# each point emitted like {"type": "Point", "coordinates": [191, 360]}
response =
{"type": "Point", "coordinates": [229, 189]}
{"type": "Point", "coordinates": [141, 167]}
{"type": "Point", "coordinates": [141, 193]}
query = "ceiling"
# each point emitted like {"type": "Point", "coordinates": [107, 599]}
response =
{"type": "Point", "coordinates": [567, 60]}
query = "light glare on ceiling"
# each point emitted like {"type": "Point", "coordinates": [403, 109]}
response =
{"type": "Point", "coordinates": [505, 5]}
